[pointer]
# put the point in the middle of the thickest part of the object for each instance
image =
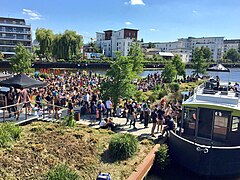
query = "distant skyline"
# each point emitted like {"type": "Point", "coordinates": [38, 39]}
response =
{"type": "Point", "coordinates": [156, 20]}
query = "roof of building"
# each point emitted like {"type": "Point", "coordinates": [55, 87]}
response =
{"type": "Point", "coordinates": [166, 54]}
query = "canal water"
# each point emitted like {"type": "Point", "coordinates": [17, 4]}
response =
{"type": "Point", "coordinates": [232, 76]}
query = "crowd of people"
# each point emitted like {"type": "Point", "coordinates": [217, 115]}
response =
{"type": "Point", "coordinates": [80, 91]}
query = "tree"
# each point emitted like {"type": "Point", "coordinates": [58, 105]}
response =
{"type": "Point", "coordinates": [151, 45]}
{"type": "Point", "coordinates": [169, 73]}
{"type": "Point", "coordinates": [207, 54]}
{"type": "Point", "coordinates": [21, 62]}
{"type": "Point", "coordinates": [45, 38]}
{"type": "Point", "coordinates": [136, 57]}
{"type": "Point", "coordinates": [119, 81]}
{"type": "Point", "coordinates": [1, 56]}
{"type": "Point", "coordinates": [199, 63]}
{"type": "Point", "coordinates": [179, 65]}
{"type": "Point", "coordinates": [233, 55]}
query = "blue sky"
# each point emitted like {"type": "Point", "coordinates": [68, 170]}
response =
{"type": "Point", "coordinates": [157, 20]}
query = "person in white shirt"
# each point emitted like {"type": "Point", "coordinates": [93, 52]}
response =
{"type": "Point", "coordinates": [109, 107]}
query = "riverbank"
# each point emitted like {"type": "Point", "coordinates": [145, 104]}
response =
{"type": "Point", "coordinates": [104, 65]}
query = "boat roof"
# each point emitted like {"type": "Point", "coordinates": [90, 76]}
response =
{"type": "Point", "coordinates": [217, 98]}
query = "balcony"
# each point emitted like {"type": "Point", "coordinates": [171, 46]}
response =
{"type": "Point", "coordinates": [15, 32]}
{"type": "Point", "coordinates": [15, 38]}
{"type": "Point", "coordinates": [14, 25]}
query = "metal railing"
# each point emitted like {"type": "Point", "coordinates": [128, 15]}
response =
{"type": "Point", "coordinates": [28, 111]}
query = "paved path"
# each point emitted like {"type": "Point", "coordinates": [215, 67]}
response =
{"type": "Point", "coordinates": [140, 131]}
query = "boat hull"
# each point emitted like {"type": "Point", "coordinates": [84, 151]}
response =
{"type": "Point", "coordinates": [204, 160]}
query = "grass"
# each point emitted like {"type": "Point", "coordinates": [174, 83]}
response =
{"type": "Point", "coordinates": [43, 146]}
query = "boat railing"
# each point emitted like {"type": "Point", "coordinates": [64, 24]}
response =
{"type": "Point", "coordinates": [22, 112]}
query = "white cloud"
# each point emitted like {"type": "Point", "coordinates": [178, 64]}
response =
{"type": "Point", "coordinates": [128, 23]}
{"type": "Point", "coordinates": [152, 29]}
{"type": "Point", "coordinates": [135, 2]}
{"type": "Point", "coordinates": [195, 12]}
{"type": "Point", "coordinates": [32, 14]}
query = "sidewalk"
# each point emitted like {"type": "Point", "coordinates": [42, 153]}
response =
{"type": "Point", "coordinates": [140, 131]}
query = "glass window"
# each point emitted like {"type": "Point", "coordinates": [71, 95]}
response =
{"type": "Point", "coordinates": [189, 121]}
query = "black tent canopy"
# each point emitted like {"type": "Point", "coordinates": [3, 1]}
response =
{"type": "Point", "coordinates": [22, 81]}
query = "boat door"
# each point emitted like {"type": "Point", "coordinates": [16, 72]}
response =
{"type": "Point", "coordinates": [205, 123]}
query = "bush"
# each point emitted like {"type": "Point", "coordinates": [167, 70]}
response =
{"type": "Point", "coordinates": [69, 120]}
{"type": "Point", "coordinates": [174, 87]}
{"type": "Point", "coordinates": [161, 157]}
{"type": "Point", "coordinates": [123, 146]}
{"type": "Point", "coordinates": [62, 172]}
{"type": "Point", "coordinates": [8, 133]}
{"type": "Point", "coordinates": [162, 93]}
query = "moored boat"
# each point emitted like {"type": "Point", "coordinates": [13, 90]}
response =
{"type": "Point", "coordinates": [207, 140]}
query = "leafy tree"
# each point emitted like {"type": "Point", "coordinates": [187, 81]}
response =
{"type": "Point", "coordinates": [151, 45]}
{"type": "Point", "coordinates": [1, 56]}
{"type": "Point", "coordinates": [207, 54]}
{"type": "Point", "coordinates": [179, 65]}
{"type": "Point", "coordinates": [67, 46]}
{"type": "Point", "coordinates": [199, 63]}
{"type": "Point", "coordinates": [169, 73]}
{"type": "Point", "coordinates": [136, 57]}
{"type": "Point", "coordinates": [233, 55]}
{"type": "Point", "coordinates": [119, 83]}
{"type": "Point", "coordinates": [45, 38]}
{"type": "Point", "coordinates": [21, 62]}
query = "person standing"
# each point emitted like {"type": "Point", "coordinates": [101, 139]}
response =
{"type": "Point", "coordinates": [11, 98]}
{"type": "Point", "coordinates": [160, 118]}
{"type": "Point", "coordinates": [109, 107]}
{"type": "Point", "coordinates": [154, 121]}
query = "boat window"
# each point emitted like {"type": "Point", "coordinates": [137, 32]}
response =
{"type": "Point", "coordinates": [221, 124]}
{"type": "Point", "coordinates": [235, 123]}
{"type": "Point", "coordinates": [189, 120]}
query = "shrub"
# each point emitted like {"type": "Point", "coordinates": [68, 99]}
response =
{"type": "Point", "coordinates": [123, 146]}
{"type": "Point", "coordinates": [162, 157]}
{"type": "Point", "coordinates": [62, 172]}
{"type": "Point", "coordinates": [8, 133]}
{"type": "Point", "coordinates": [174, 87]}
{"type": "Point", "coordinates": [70, 121]}
{"type": "Point", "coordinates": [162, 93]}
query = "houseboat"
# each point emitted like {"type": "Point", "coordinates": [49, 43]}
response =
{"type": "Point", "coordinates": [207, 139]}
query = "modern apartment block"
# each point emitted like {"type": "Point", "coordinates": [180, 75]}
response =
{"type": "Point", "coordinates": [186, 46]}
{"type": "Point", "coordinates": [231, 44]}
{"type": "Point", "coordinates": [111, 41]}
{"type": "Point", "coordinates": [12, 32]}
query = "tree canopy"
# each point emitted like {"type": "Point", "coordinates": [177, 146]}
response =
{"type": "Point", "coordinates": [136, 57]}
{"type": "Point", "coordinates": [199, 62]}
{"type": "Point", "coordinates": [120, 77]}
{"type": "Point", "coordinates": [1, 56]}
{"type": "Point", "coordinates": [169, 72]}
{"type": "Point", "coordinates": [21, 62]}
{"type": "Point", "coordinates": [179, 65]}
{"type": "Point", "coordinates": [232, 55]}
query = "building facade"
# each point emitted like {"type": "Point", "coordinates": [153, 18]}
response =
{"type": "Point", "coordinates": [12, 32]}
{"type": "Point", "coordinates": [111, 41]}
{"type": "Point", "coordinates": [185, 46]}
{"type": "Point", "coordinates": [231, 44]}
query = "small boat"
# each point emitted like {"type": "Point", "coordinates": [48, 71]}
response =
{"type": "Point", "coordinates": [207, 139]}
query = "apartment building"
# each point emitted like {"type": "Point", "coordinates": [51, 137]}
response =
{"type": "Point", "coordinates": [185, 46]}
{"type": "Point", "coordinates": [231, 44]}
{"type": "Point", "coordinates": [111, 41]}
{"type": "Point", "coordinates": [12, 32]}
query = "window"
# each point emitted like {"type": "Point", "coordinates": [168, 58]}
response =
{"type": "Point", "coordinates": [235, 123]}
{"type": "Point", "coordinates": [189, 120]}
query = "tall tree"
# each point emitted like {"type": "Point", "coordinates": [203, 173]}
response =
{"type": "Point", "coordinates": [179, 65]}
{"type": "Point", "coordinates": [21, 62]}
{"type": "Point", "coordinates": [119, 83]}
{"type": "Point", "coordinates": [151, 45]}
{"type": "Point", "coordinates": [136, 57]}
{"type": "Point", "coordinates": [233, 55]}
{"type": "Point", "coordinates": [45, 38]}
{"type": "Point", "coordinates": [207, 54]}
{"type": "Point", "coordinates": [199, 63]}
{"type": "Point", "coordinates": [169, 72]}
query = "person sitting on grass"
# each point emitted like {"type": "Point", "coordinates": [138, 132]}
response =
{"type": "Point", "coordinates": [107, 123]}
